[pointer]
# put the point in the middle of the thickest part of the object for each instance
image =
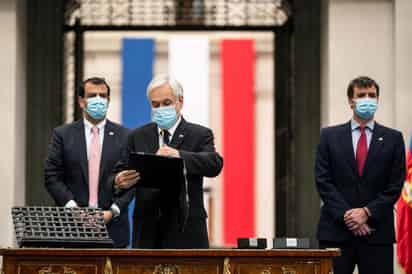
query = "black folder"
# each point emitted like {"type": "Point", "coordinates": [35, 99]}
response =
{"type": "Point", "coordinates": [162, 185]}
{"type": "Point", "coordinates": [157, 171]}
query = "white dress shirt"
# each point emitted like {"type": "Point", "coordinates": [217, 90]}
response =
{"type": "Point", "coordinates": [356, 133]}
{"type": "Point", "coordinates": [171, 131]}
{"type": "Point", "coordinates": [88, 133]}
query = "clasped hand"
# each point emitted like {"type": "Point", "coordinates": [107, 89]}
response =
{"type": "Point", "coordinates": [168, 151]}
{"type": "Point", "coordinates": [355, 219]}
{"type": "Point", "coordinates": [126, 179]}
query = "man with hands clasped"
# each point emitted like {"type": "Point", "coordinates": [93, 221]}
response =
{"type": "Point", "coordinates": [170, 135]}
{"type": "Point", "coordinates": [81, 157]}
{"type": "Point", "coordinates": [359, 173]}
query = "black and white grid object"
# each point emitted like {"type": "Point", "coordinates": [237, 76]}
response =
{"type": "Point", "coordinates": [60, 227]}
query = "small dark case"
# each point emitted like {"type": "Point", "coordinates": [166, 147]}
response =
{"type": "Point", "coordinates": [251, 243]}
{"type": "Point", "coordinates": [288, 243]}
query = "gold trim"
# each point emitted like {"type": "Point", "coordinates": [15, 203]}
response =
{"type": "Point", "coordinates": [166, 269]}
{"type": "Point", "coordinates": [170, 269]}
{"type": "Point", "coordinates": [45, 270]}
{"type": "Point", "coordinates": [158, 269]}
{"type": "Point", "coordinates": [226, 266]}
{"type": "Point", "coordinates": [108, 269]}
{"type": "Point", "coordinates": [48, 270]}
{"type": "Point", "coordinates": [288, 270]}
{"type": "Point", "coordinates": [68, 270]}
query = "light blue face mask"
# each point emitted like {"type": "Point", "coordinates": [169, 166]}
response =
{"type": "Point", "coordinates": [96, 107]}
{"type": "Point", "coordinates": [164, 117]}
{"type": "Point", "coordinates": [365, 108]}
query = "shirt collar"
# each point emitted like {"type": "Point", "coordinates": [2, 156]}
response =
{"type": "Point", "coordinates": [173, 128]}
{"type": "Point", "coordinates": [355, 125]}
{"type": "Point", "coordinates": [88, 126]}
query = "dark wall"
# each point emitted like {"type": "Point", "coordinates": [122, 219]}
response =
{"type": "Point", "coordinates": [283, 124]}
{"type": "Point", "coordinates": [298, 121]}
{"type": "Point", "coordinates": [44, 89]}
{"type": "Point", "coordinates": [306, 118]}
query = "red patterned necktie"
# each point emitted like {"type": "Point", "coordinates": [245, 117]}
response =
{"type": "Point", "coordinates": [94, 166]}
{"type": "Point", "coordinates": [361, 151]}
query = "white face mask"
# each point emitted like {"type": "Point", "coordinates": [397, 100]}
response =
{"type": "Point", "coordinates": [164, 117]}
{"type": "Point", "coordinates": [96, 107]}
{"type": "Point", "coordinates": [365, 108]}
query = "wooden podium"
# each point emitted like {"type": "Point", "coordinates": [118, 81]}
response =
{"type": "Point", "coordinates": [133, 261]}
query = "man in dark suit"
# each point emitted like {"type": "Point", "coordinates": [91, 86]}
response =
{"type": "Point", "coordinates": [81, 156]}
{"type": "Point", "coordinates": [360, 169]}
{"type": "Point", "coordinates": [171, 135]}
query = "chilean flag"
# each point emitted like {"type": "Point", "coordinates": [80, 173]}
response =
{"type": "Point", "coordinates": [404, 219]}
{"type": "Point", "coordinates": [220, 91]}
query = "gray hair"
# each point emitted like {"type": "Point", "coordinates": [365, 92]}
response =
{"type": "Point", "coordinates": [162, 79]}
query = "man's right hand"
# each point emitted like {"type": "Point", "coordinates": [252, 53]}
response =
{"type": "Point", "coordinates": [126, 179]}
{"type": "Point", "coordinates": [355, 217]}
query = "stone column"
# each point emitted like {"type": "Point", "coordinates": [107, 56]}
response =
{"type": "Point", "coordinates": [403, 67]}
{"type": "Point", "coordinates": [12, 113]}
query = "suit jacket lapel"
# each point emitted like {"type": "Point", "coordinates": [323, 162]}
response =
{"type": "Point", "coordinates": [82, 150]}
{"type": "Point", "coordinates": [109, 141]}
{"type": "Point", "coordinates": [347, 146]}
{"type": "Point", "coordinates": [178, 135]}
{"type": "Point", "coordinates": [374, 147]}
{"type": "Point", "coordinates": [152, 139]}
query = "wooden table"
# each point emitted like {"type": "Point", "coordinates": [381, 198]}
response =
{"type": "Point", "coordinates": [133, 261]}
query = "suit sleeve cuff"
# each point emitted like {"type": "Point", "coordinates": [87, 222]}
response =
{"type": "Point", "coordinates": [367, 211]}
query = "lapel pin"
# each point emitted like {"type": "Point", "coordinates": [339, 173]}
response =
{"type": "Point", "coordinates": [181, 136]}
{"type": "Point", "coordinates": [380, 139]}
{"type": "Point", "coordinates": [111, 133]}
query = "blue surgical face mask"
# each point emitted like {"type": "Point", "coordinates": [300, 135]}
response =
{"type": "Point", "coordinates": [365, 108]}
{"type": "Point", "coordinates": [164, 117]}
{"type": "Point", "coordinates": [96, 107]}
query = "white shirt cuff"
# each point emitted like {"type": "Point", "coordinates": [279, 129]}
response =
{"type": "Point", "coordinates": [115, 210]}
{"type": "Point", "coordinates": [71, 203]}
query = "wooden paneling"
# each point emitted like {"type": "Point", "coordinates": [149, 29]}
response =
{"type": "Point", "coordinates": [158, 253]}
{"type": "Point", "coordinates": [301, 267]}
{"type": "Point", "coordinates": [126, 261]}
{"type": "Point", "coordinates": [202, 268]}
{"type": "Point", "coordinates": [57, 268]}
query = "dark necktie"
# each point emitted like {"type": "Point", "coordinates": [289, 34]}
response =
{"type": "Point", "coordinates": [166, 137]}
{"type": "Point", "coordinates": [361, 151]}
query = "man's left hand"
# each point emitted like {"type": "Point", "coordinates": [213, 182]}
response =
{"type": "Point", "coordinates": [168, 151]}
{"type": "Point", "coordinates": [355, 217]}
{"type": "Point", "coordinates": [107, 216]}
{"type": "Point", "coordinates": [363, 230]}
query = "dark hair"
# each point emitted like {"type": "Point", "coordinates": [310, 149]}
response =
{"type": "Point", "coordinates": [94, 81]}
{"type": "Point", "coordinates": [362, 82]}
